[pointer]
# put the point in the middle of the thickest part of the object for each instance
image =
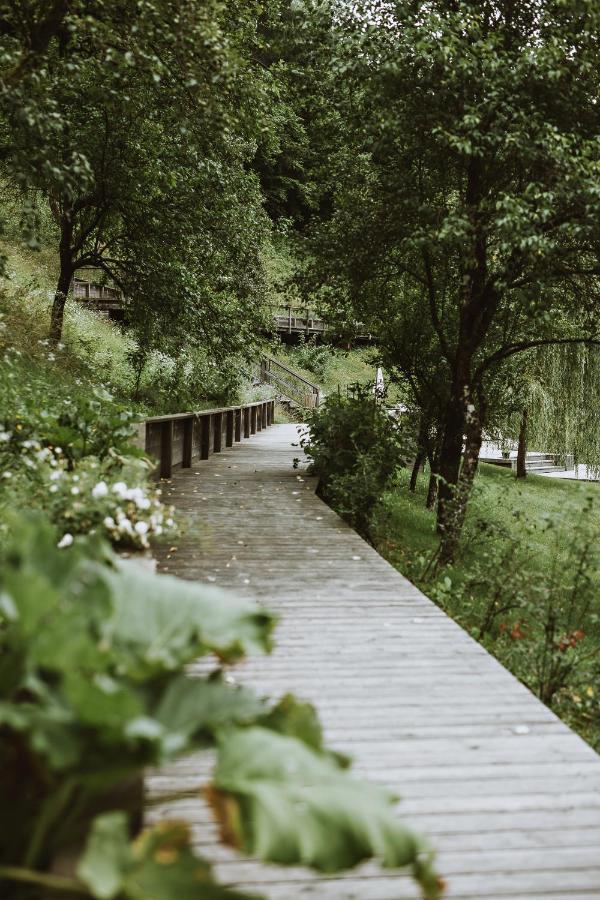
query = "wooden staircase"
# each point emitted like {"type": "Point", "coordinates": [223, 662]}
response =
{"type": "Point", "coordinates": [293, 388]}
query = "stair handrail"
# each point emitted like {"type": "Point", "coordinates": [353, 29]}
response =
{"type": "Point", "coordinates": [291, 382]}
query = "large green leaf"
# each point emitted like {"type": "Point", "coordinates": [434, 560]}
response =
{"type": "Point", "coordinates": [107, 856]}
{"type": "Point", "coordinates": [280, 801]}
{"type": "Point", "coordinates": [299, 719]}
{"type": "Point", "coordinates": [161, 623]}
{"type": "Point", "coordinates": [159, 866]}
{"type": "Point", "coordinates": [195, 707]}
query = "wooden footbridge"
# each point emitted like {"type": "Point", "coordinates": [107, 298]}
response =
{"type": "Point", "coordinates": [506, 793]}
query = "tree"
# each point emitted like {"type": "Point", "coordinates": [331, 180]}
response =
{"type": "Point", "coordinates": [467, 180]}
{"type": "Point", "coordinates": [154, 112]}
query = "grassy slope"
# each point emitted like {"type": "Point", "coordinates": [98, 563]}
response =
{"type": "Point", "coordinates": [405, 535]}
{"type": "Point", "coordinates": [94, 348]}
{"type": "Point", "coordinates": [341, 368]}
{"type": "Point", "coordinates": [497, 492]}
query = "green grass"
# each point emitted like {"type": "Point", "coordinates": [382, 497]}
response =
{"type": "Point", "coordinates": [537, 517]}
{"type": "Point", "coordinates": [337, 368]}
{"type": "Point", "coordinates": [497, 494]}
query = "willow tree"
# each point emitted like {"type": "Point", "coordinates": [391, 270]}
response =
{"type": "Point", "coordinates": [468, 176]}
{"type": "Point", "coordinates": [555, 405]}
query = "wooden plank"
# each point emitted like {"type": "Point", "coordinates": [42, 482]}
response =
{"type": "Point", "coordinates": [507, 794]}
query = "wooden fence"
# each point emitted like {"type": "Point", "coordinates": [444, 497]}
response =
{"type": "Point", "coordinates": [176, 440]}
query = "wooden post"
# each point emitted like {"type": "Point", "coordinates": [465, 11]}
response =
{"type": "Point", "coordinates": [246, 422]}
{"type": "Point", "coordinates": [204, 436]}
{"type": "Point", "coordinates": [166, 449]}
{"type": "Point", "coordinates": [229, 426]}
{"type": "Point", "coordinates": [238, 425]}
{"type": "Point", "coordinates": [272, 412]}
{"type": "Point", "coordinates": [259, 417]}
{"type": "Point", "coordinates": [252, 420]}
{"type": "Point", "coordinates": [218, 431]}
{"type": "Point", "coordinates": [188, 442]}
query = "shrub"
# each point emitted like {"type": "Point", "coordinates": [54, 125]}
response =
{"type": "Point", "coordinates": [93, 691]}
{"type": "Point", "coordinates": [312, 356]}
{"type": "Point", "coordinates": [355, 448]}
{"type": "Point", "coordinates": [74, 458]}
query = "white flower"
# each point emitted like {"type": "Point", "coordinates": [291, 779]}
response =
{"type": "Point", "coordinates": [54, 476]}
{"type": "Point", "coordinates": [65, 541]}
{"type": "Point", "coordinates": [4, 436]}
{"type": "Point", "coordinates": [119, 488]}
{"type": "Point", "coordinates": [169, 523]}
{"type": "Point", "coordinates": [141, 528]}
{"type": "Point", "coordinates": [100, 490]}
{"type": "Point", "coordinates": [58, 450]}
{"type": "Point", "coordinates": [74, 490]}
{"type": "Point", "coordinates": [7, 474]}
{"type": "Point", "coordinates": [109, 523]}
{"type": "Point", "coordinates": [53, 488]}
{"type": "Point", "coordinates": [143, 503]}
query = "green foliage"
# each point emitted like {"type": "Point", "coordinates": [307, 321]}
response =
{"type": "Point", "coordinates": [355, 449]}
{"type": "Point", "coordinates": [93, 691]}
{"type": "Point", "coordinates": [308, 820]}
{"type": "Point", "coordinates": [463, 214]}
{"type": "Point", "coordinates": [312, 356]}
{"type": "Point", "coordinates": [525, 583]}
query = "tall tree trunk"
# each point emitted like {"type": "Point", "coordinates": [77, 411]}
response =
{"type": "Point", "coordinates": [450, 458]}
{"type": "Point", "coordinates": [64, 277]}
{"type": "Point", "coordinates": [455, 519]}
{"type": "Point", "coordinates": [522, 451]}
{"type": "Point", "coordinates": [421, 456]}
{"type": "Point", "coordinates": [433, 455]}
{"type": "Point", "coordinates": [419, 460]}
{"type": "Point", "coordinates": [58, 305]}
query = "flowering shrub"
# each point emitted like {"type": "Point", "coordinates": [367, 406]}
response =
{"type": "Point", "coordinates": [109, 496]}
{"type": "Point", "coordinates": [96, 498]}
{"type": "Point", "coordinates": [108, 493]}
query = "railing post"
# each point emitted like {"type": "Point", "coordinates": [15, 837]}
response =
{"type": "Point", "coordinates": [247, 422]}
{"type": "Point", "coordinates": [229, 426]}
{"type": "Point", "coordinates": [252, 420]}
{"type": "Point", "coordinates": [259, 418]}
{"type": "Point", "coordinates": [166, 449]}
{"type": "Point", "coordinates": [188, 443]}
{"type": "Point", "coordinates": [238, 425]}
{"type": "Point", "coordinates": [272, 412]}
{"type": "Point", "coordinates": [204, 422]}
{"type": "Point", "coordinates": [218, 432]}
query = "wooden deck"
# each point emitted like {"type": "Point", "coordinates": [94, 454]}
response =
{"type": "Point", "coordinates": [507, 794]}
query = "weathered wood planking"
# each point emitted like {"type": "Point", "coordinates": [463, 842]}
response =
{"type": "Point", "coordinates": [508, 795]}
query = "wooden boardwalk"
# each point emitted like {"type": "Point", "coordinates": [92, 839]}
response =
{"type": "Point", "coordinates": [506, 793]}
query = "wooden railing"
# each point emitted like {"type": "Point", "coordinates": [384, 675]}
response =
{"type": "Point", "coordinates": [292, 385]}
{"type": "Point", "coordinates": [176, 440]}
{"type": "Point", "coordinates": [303, 320]}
